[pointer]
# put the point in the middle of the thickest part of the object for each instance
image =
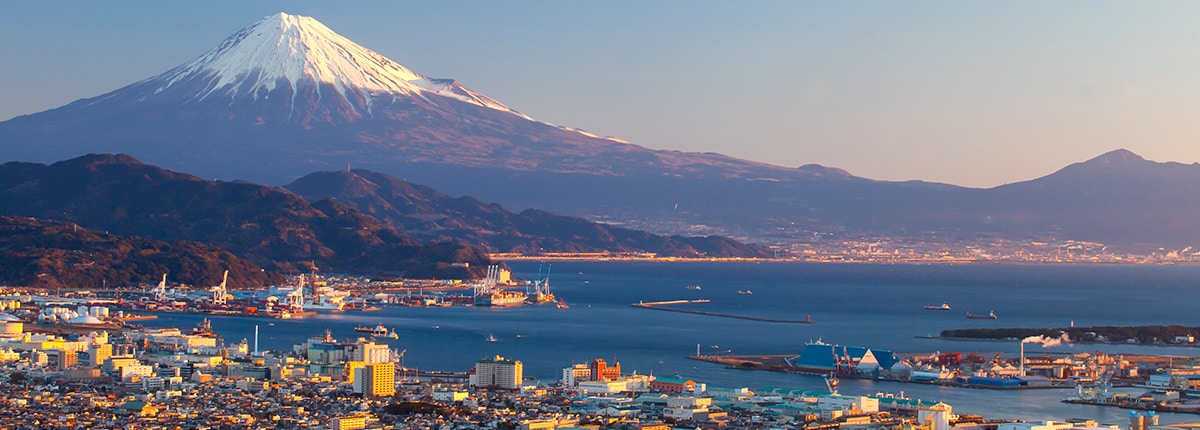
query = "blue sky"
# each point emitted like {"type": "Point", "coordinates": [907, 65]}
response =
{"type": "Point", "coordinates": [969, 93]}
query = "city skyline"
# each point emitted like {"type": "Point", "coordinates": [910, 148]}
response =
{"type": "Point", "coordinates": [969, 94]}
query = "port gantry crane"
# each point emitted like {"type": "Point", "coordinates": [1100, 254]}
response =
{"type": "Point", "coordinates": [219, 291]}
{"type": "Point", "coordinates": [160, 292]}
{"type": "Point", "coordinates": [488, 285]}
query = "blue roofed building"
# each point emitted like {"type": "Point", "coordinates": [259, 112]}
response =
{"type": "Point", "coordinates": [823, 357]}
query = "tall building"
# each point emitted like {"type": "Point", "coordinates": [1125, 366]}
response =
{"type": "Point", "coordinates": [99, 353]}
{"type": "Point", "coordinates": [61, 359]}
{"type": "Point", "coordinates": [499, 372]}
{"type": "Point", "coordinates": [601, 371]}
{"type": "Point", "coordinates": [379, 379]}
{"type": "Point", "coordinates": [577, 372]}
{"type": "Point", "coordinates": [370, 352]}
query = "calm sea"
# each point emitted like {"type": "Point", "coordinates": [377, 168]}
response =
{"type": "Point", "coordinates": [878, 306]}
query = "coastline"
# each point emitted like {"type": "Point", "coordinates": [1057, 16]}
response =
{"type": "Point", "coordinates": [616, 257]}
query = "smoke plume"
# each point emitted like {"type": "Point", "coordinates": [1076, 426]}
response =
{"type": "Point", "coordinates": [1048, 341]}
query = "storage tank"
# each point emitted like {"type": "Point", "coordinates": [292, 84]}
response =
{"type": "Point", "coordinates": [104, 312]}
{"type": "Point", "coordinates": [9, 328]}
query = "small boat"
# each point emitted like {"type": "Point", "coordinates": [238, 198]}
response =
{"type": "Point", "coordinates": [747, 292]}
{"type": "Point", "coordinates": [561, 304]}
{"type": "Point", "coordinates": [378, 331]}
{"type": "Point", "coordinates": [990, 316]}
{"type": "Point", "coordinates": [693, 287]}
{"type": "Point", "coordinates": [944, 307]}
{"type": "Point", "coordinates": [491, 337]}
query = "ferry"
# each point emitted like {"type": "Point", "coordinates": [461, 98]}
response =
{"type": "Point", "coordinates": [944, 307]}
{"type": "Point", "coordinates": [990, 316]}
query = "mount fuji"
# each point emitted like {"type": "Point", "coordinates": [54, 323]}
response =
{"type": "Point", "coordinates": [287, 96]}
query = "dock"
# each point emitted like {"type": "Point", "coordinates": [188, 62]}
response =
{"type": "Point", "coordinates": [661, 306]}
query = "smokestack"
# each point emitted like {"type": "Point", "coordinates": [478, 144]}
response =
{"type": "Point", "coordinates": [256, 343]}
{"type": "Point", "coordinates": [1023, 358]}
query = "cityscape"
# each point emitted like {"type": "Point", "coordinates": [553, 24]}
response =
{"type": "Point", "coordinates": [599, 215]}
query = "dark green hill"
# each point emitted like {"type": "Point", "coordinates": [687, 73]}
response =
{"type": "Point", "coordinates": [428, 214]}
{"type": "Point", "coordinates": [273, 228]}
{"type": "Point", "coordinates": [52, 254]}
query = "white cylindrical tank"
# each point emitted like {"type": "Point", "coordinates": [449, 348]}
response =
{"type": "Point", "coordinates": [104, 312]}
{"type": "Point", "coordinates": [94, 311]}
{"type": "Point", "coordinates": [82, 310]}
{"type": "Point", "coordinates": [12, 327]}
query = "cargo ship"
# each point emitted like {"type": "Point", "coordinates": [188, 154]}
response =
{"type": "Point", "coordinates": [501, 298]}
{"type": "Point", "coordinates": [944, 307]}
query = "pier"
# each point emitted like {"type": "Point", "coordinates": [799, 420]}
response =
{"type": "Point", "coordinates": [661, 306]}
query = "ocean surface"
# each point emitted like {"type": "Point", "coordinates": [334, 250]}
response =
{"type": "Point", "coordinates": [874, 305]}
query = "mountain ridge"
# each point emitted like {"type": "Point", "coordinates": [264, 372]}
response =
{"type": "Point", "coordinates": [431, 215]}
{"type": "Point", "coordinates": [275, 229]}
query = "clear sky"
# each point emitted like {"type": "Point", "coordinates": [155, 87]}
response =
{"type": "Point", "coordinates": [976, 93]}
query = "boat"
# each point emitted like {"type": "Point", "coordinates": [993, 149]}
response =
{"type": "Point", "coordinates": [378, 331]}
{"type": "Point", "coordinates": [944, 307]}
{"type": "Point", "coordinates": [501, 298]}
{"type": "Point", "coordinates": [747, 292]}
{"type": "Point", "coordinates": [491, 337]}
{"type": "Point", "coordinates": [990, 316]}
{"type": "Point", "coordinates": [204, 328]}
{"type": "Point", "coordinates": [693, 287]}
{"type": "Point", "coordinates": [488, 294]}
{"type": "Point", "coordinates": [561, 304]}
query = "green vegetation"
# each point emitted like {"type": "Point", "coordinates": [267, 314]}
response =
{"type": "Point", "coordinates": [1158, 334]}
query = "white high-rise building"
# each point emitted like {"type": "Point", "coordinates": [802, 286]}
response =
{"type": "Point", "coordinates": [371, 352]}
{"type": "Point", "coordinates": [499, 372]}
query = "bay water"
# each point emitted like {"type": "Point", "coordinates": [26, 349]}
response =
{"type": "Point", "coordinates": [875, 305]}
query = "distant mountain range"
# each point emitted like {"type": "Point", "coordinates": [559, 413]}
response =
{"type": "Point", "coordinates": [429, 215]}
{"type": "Point", "coordinates": [287, 96]}
{"type": "Point", "coordinates": [272, 228]}
{"type": "Point", "coordinates": [52, 254]}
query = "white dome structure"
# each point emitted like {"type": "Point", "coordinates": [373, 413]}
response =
{"type": "Point", "coordinates": [85, 319]}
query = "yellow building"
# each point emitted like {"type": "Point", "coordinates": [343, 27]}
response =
{"type": "Point", "coordinates": [348, 423]}
{"type": "Point", "coordinates": [379, 380]}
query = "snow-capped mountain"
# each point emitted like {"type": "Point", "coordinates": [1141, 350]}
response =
{"type": "Point", "coordinates": [300, 53]}
{"type": "Point", "coordinates": [287, 96]}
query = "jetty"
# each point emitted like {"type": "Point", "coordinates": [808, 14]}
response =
{"type": "Point", "coordinates": [662, 306]}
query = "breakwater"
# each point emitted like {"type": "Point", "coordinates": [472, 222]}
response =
{"type": "Point", "coordinates": [662, 306]}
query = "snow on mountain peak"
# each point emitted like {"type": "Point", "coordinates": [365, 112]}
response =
{"type": "Point", "coordinates": [283, 49]}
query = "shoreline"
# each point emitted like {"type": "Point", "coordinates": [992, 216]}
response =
{"type": "Point", "coordinates": [920, 262]}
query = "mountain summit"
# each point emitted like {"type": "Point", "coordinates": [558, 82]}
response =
{"type": "Point", "coordinates": [303, 58]}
